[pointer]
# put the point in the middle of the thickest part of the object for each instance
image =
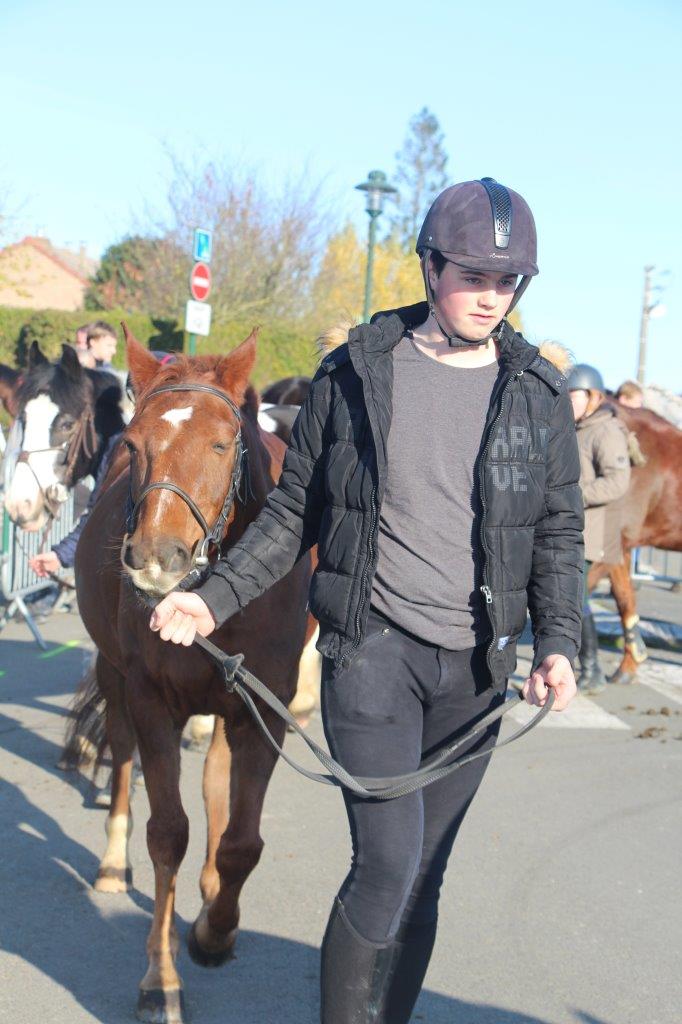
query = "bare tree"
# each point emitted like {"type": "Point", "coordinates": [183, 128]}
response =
{"type": "Point", "coordinates": [265, 241]}
{"type": "Point", "coordinates": [420, 175]}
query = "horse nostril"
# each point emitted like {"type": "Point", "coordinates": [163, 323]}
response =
{"type": "Point", "coordinates": [173, 556]}
{"type": "Point", "coordinates": [132, 556]}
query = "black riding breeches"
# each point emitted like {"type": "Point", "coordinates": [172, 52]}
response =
{"type": "Point", "coordinates": [398, 701]}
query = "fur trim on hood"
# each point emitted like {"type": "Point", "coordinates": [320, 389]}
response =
{"type": "Point", "coordinates": [557, 355]}
{"type": "Point", "coordinates": [333, 337]}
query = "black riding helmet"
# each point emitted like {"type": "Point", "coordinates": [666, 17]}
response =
{"type": "Point", "coordinates": [584, 377]}
{"type": "Point", "coordinates": [481, 225]}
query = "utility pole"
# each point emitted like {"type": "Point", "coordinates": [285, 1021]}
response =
{"type": "Point", "coordinates": [651, 307]}
{"type": "Point", "coordinates": [644, 325]}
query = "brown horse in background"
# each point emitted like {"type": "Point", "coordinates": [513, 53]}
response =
{"type": "Point", "coordinates": [185, 434]}
{"type": "Point", "coordinates": [9, 385]}
{"type": "Point", "coordinates": [651, 515]}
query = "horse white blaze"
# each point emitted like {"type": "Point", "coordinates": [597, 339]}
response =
{"type": "Point", "coordinates": [177, 416]}
{"type": "Point", "coordinates": [24, 501]}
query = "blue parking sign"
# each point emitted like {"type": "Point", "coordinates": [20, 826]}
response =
{"type": "Point", "coordinates": [202, 245]}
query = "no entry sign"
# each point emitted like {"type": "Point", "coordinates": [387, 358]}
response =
{"type": "Point", "coordinates": [200, 281]}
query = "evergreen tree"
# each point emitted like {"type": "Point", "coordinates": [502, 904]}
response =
{"type": "Point", "coordinates": [420, 175]}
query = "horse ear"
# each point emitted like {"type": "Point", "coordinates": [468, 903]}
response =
{"type": "Point", "coordinates": [234, 370]}
{"type": "Point", "coordinates": [141, 363]}
{"type": "Point", "coordinates": [35, 356]}
{"type": "Point", "coordinates": [70, 361]}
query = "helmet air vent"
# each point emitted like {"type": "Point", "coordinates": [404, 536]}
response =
{"type": "Point", "coordinates": [501, 204]}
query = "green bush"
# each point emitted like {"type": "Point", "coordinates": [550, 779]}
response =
{"type": "Point", "coordinates": [284, 350]}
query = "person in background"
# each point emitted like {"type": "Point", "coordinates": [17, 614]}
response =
{"type": "Point", "coordinates": [604, 478]}
{"type": "Point", "coordinates": [85, 357]}
{"type": "Point", "coordinates": [630, 394]}
{"type": "Point", "coordinates": [102, 342]}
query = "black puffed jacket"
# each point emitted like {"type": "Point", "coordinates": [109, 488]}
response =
{"type": "Point", "coordinates": [334, 475]}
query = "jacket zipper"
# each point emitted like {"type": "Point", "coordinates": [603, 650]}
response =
{"type": "Point", "coordinates": [485, 587]}
{"type": "Point", "coordinates": [365, 576]}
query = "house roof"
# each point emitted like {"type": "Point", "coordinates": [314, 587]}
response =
{"type": "Point", "coordinates": [64, 258]}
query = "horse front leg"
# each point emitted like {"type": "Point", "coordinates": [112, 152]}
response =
{"type": "Point", "coordinates": [635, 651]}
{"type": "Point", "coordinates": [115, 872]}
{"type": "Point", "coordinates": [214, 932]}
{"type": "Point", "coordinates": [216, 792]}
{"type": "Point", "coordinates": [161, 998]}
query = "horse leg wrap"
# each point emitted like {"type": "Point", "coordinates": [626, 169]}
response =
{"type": "Point", "coordinates": [634, 641]}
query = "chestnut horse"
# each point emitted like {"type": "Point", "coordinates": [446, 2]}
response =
{"type": "Point", "coordinates": [190, 423]}
{"type": "Point", "coordinates": [651, 517]}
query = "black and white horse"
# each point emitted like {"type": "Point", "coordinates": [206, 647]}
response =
{"type": "Point", "coordinates": [65, 417]}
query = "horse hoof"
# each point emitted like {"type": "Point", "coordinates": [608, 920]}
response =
{"type": "Point", "coordinates": [114, 880]}
{"type": "Point", "coordinates": [158, 1007]}
{"type": "Point", "coordinates": [209, 958]}
{"type": "Point", "coordinates": [623, 678]}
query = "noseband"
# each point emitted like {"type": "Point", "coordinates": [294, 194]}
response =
{"type": "Point", "coordinates": [240, 473]}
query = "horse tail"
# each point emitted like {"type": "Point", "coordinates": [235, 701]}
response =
{"type": "Point", "coordinates": [86, 738]}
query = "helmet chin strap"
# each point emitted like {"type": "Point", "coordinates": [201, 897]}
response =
{"type": "Point", "coordinates": [456, 340]}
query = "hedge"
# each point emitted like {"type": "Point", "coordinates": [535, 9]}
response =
{"type": "Point", "coordinates": [284, 350]}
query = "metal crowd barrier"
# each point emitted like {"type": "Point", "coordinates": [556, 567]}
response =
{"type": "Point", "coordinates": [656, 564]}
{"type": "Point", "coordinates": [17, 579]}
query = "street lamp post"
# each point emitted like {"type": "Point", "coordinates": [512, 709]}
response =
{"type": "Point", "coordinates": [651, 307]}
{"type": "Point", "coordinates": [376, 188]}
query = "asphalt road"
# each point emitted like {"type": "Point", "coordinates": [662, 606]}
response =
{"type": "Point", "coordinates": [561, 903]}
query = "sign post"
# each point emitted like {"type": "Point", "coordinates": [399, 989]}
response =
{"type": "Point", "coordinates": [197, 311]}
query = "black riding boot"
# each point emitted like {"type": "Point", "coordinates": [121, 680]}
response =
{"type": "Point", "coordinates": [591, 679]}
{"type": "Point", "coordinates": [411, 955]}
{"type": "Point", "coordinates": [354, 973]}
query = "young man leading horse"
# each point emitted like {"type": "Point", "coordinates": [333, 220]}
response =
{"type": "Point", "coordinates": [435, 465]}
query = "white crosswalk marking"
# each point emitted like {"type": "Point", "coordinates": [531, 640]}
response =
{"type": "Point", "coordinates": [663, 677]}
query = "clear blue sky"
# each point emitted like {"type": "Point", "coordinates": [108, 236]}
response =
{"type": "Point", "coordinates": [577, 106]}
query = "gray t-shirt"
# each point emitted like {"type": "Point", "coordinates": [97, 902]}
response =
{"type": "Point", "coordinates": [429, 560]}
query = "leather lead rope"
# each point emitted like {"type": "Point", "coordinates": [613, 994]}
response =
{"type": "Point", "coordinates": [242, 682]}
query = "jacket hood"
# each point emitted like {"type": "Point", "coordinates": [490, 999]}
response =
{"type": "Point", "coordinates": [602, 412]}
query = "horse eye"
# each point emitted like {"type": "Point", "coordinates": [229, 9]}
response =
{"type": "Point", "coordinates": [220, 448]}
{"type": "Point", "coordinates": [67, 424]}
{"type": "Point", "coordinates": [130, 446]}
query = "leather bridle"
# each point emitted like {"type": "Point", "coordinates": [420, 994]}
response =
{"type": "Point", "coordinates": [240, 474]}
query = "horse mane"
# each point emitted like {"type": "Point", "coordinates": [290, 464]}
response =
{"type": "Point", "coordinates": [201, 369]}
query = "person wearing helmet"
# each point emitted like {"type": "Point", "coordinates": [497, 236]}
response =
{"type": "Point", "coordinates": [435, 465]}
{"type": "Point", "coordinates": [604, 479]}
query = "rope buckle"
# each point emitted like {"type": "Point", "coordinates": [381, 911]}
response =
{"type": "Point", "coordinates": [229, 666]}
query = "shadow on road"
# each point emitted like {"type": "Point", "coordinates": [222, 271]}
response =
{"type": "Point", "coordinates": [53, 920]}
{"type": "Point", "coordinates": [31, 679]}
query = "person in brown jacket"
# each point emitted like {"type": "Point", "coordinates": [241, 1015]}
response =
{"type": "Point", "coordinates": [604, 478]}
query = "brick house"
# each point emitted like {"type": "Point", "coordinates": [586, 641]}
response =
{"type": "Point", "coordinates": [34, 274]}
